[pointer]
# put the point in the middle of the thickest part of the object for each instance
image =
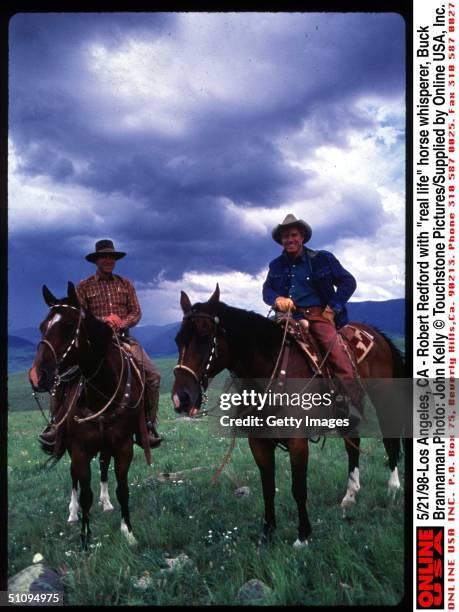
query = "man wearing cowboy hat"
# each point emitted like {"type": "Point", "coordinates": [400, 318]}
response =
{"type": "Point", "coordinates": [113, 299]}
{"type": "Point", "coordinates": [313, 285]}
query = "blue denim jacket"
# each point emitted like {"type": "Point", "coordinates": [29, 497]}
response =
{"type": "Point", "coordinates": [327, 273]}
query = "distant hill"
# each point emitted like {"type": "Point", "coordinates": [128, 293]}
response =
{"type": "Point", "coordinates": [388, 316]}
{"type": "Point", "coordinates": [17, 342]}
{"type": "Point", "coordinates": [32, 334]}
{"type": "Point", "coordinates": [158, 340]}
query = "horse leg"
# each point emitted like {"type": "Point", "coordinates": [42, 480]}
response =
{"type": "Point", "coordinates": [392, 446]}
{"type": "Point", "coordinates": [104, 498]}
{"type": "Point", "coordinates": [353, 482]}
{"type": "Point", "coordinates": [73, 505]}
{"type": "Point", "coordinates": [122, 462]}
{"type": "Point", "coordinates": [81, 467]}
{"type": "Point", "coordinates": [263, 453]}
{"type": "Point", "coordinates": [299, 452]}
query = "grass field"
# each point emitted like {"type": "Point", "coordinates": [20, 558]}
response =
{"type": "Point", "coordinates": [354, 561]}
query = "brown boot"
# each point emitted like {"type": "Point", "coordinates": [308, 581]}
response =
{"type": "Point", "coordinates": [151, 409]}
{"type": "Point", "coordinates": [154, 439]}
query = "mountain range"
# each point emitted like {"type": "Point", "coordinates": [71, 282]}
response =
{"type": "Point", "coordinates": [158, 340]}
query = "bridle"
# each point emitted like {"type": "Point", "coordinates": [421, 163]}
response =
{"type": "Point", "coordinates": [73, 343]}
{"type": "Point", "coordinates": [203, 379]}
{"type": "Point", "coordinates": [59, 378]}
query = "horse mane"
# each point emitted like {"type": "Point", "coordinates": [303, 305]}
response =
{"type": "Point", "coordinates": [249, 330]}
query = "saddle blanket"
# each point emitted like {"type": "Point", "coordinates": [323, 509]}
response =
{"type": "Point", "coordinates": [359, 341]}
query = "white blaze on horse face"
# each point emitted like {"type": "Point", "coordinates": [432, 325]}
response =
{"type": "Point", "coordinates": [128, 534]}
{"type": "Point", "coordinates": [176, 400]}
{"type": "Point", "coordinates": [353, 487]}
{"type": "Point", "coordinates": [57, 317]}
{"type": "Point", "coordinates": [104, 498]}
{"type": "Point", "coordinates": [73, 507]}
{"type": "Point", "coordinates": [394, 482]}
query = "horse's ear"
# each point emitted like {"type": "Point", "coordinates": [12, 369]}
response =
{"type": "Point", "coordinates": [185, 302]}
{"type": "Point", "coordinates": [48, 296]}
{"type": "Point", "coordinates": [214, 299]}
{"type": "Point", "coordinates": [72, 294]}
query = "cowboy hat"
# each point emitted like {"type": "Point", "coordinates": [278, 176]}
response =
{"type": "Point", "coordinates": [291, 221]}
{"type": "Point", "coordinates": [103, 247]}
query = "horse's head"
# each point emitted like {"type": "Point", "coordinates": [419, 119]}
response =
{"type": "Point", "coordinates": [57, 351]}
{"type": "Point", "coordinates": [203, 352]}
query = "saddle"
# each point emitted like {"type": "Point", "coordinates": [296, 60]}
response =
{"type": "Point", "coordinates": [358, 343]}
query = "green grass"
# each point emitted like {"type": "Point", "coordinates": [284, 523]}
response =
{"type": "Point", "coordinates": [358, 561]}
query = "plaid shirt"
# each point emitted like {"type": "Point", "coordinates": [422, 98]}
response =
{"type": "Point", "coordinates": [114, 296]}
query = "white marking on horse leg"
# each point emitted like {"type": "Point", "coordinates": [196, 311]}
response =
{"type": "Point", "coordinates": [353, 487]}
{"type": "Point", "coordinates": [73, 507]}
{"type": "Point", "coordinates": [300, 544]}
{"type": "Point", "coordinates": [104, 499]}
{"type": "Point", "coordinates": [127, 534]}
{"type": "Point", "coordinates": [394, 483]}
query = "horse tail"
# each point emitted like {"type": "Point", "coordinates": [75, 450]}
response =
{"type": "Point", "coordinates": [399, 369]}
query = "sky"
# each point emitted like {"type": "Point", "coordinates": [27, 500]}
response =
{"type": "Point", "coordinates": [186, 137]}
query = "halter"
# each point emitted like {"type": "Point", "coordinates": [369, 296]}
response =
{"type": "Point", "coordinates": [73, 343]}
{"type": "Point", "coordinates": [202, 381]}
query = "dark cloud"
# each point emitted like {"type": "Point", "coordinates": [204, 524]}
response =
{"type": "Point", "coordinates": [162, 193]}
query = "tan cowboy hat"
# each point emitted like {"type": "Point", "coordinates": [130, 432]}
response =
{"type": "Point", "coordinates": [103, 247]}
{"type": "Point", "coordinates": [291, 221]}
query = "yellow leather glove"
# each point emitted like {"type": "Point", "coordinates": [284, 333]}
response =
{"type": "Point", "coordinates": [329, 314]}
{"type": "Point", "coordinates": [283, 304]}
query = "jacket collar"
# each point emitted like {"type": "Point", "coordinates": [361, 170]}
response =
{"type": "Point", "coordinates": [309, 252]}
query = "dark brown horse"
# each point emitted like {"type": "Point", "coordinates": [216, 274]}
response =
{"type": "Point", "coordinates": [103, 400]}
{"type": "Point", "coordinates": [248, 346]}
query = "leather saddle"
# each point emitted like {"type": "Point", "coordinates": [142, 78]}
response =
{"type": "Point", "coordinates": [358, 341]}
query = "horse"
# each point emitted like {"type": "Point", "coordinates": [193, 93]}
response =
{"type": "Point", "coordinates": [104, 401]}
{"type": "Point", "coordinates": [214, 336]}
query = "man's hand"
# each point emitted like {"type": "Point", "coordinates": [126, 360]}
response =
{"type": "Point", "coordinates": [114, 321]}
{"type": "Point", "coordinates": [329, 314]}
{"type": "Point", "coordinates": [284, 304]}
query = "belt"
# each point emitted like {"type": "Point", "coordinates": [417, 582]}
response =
{"type": "Point", "coordinates": [309, 310]}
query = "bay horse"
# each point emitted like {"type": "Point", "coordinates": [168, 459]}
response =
{"type": "Point", "coordinates": [248, 346]}
{"type": "Point", "coordinates": [103, 405]}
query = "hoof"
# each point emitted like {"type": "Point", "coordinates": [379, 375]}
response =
{"type": "Point", "coordinates": [394, 484]}
{"type": "Point", "coordinates": [72, 519]}
{"type": "Point", "coordinates": [300, 543]}
{"type": "Point", "coordinates": [348, 502]}
{"type": "Point", "coordinates": [128, 534]}
{"type": "Point", "coordinates": [106, 506]}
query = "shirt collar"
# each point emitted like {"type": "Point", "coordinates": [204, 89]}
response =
{"type": "Point", "coordinates": [300, 258]}
{"type": "Point", "coordinates": [99, 277]}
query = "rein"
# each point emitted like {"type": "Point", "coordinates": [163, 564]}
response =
{"type": "Point", "coordinates": [104, 408]}
{"type": "Point", "coordinates": [59, 378]}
